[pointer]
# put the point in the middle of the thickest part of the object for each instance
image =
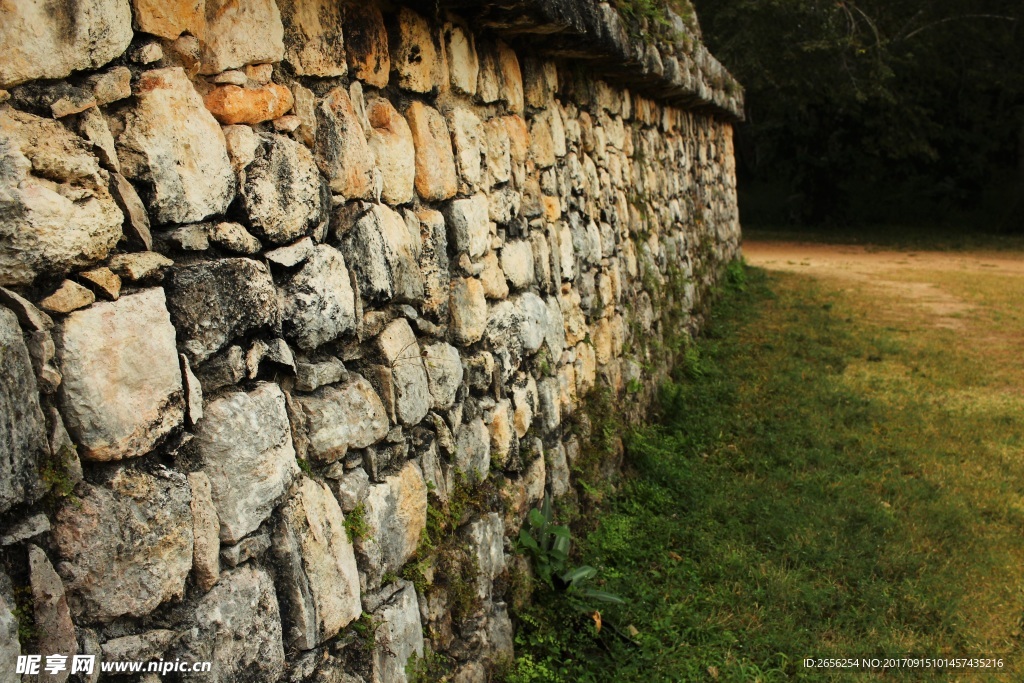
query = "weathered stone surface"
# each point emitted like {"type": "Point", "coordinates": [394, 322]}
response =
{"type": "Point", "coordinates": [173, 147]}
{"type": "Point", "coordinates": [318, 301]}
{"type": "Point", "coordinates": [214, 302]}
{"type": "Point", "coordinates": [436, 178]}
{"type": "Point", "coordinates": [70, 296]}
{"type": "Point", "coordinates": [240, 32]}
{"type": "Point", "coordinates": [399, 637]}
{"type": "Point", "coordinates": [238, 629]}
{"type": "Point", "coordinates": [140, 647]}
{"type": "Point", "coordinates": [540, 81]}
{"type": "Point", "coordinates": [398, 346]}
{"type": "Point", "coordinates": [141, 266]}
{"type": "Point", "coordinates": [498, 152]}
{"type": "Point", "coordinates": [245, 445]}
{"type": "Point", "coordinates": [170, 19]}
{"type": "Point", "coordinates": [503, 205]}
{"type": "Point", "coordinates": [500, 425]}
{"type": "Point", "coordinates": [313, 40]}
{"type": "Point", "coordinates": [434, 263]}
{"type": "Point", "coordinates": [469, 140]}
{"type": "Point", "coordinates": [392, 146]}
{"type": "Point", "coordinates": [241, 142]}
{"type": "Point", "coordinates": [122, 390]}
{"type": "Point", "coordinates": [396, 514]}
{"type": "Point", "coordinates": [58, 213]}
{"type": "Point", "coordinates": [205, 532]}
{"type": "Point", "coordinates": [468, 227]}
{"type": "Point", "coordinates": [510, 78]}
{"type": "Point", "coordinates": [92, 125]}
{"type": "Point", "coordinates": [126, 545]}
{"type": "Point", "coordinates": [444, 373]}
{"type": "Point", "coordinates": [104, 282]}
{"type": "Point", "coordinates": [339, 418]}
{"type": "Point", "coordinates": [415, 58]}
{"type": "Point", "coordinates": [468, 307]}
{"type": "Point", "coordinates": [463, 65]}
{"type": "Point", "coordinates": [25, 529]}
{"type": "Point", "coordinates": [368, 57]}
{"type": "Point", "coordinates": [318, 566]}
{"type": "Point", "coordinates": [292, 254]}
{"type": "Point", "coordinates": [485, 537]}
{"type": "Point", "coordinates": [51, 611]}
{"type": "Point", "coordinates": [518, 325]}
{"type": "Point", "coordinates": [517, 262]}
{"type": "Point", "coordinates": [473, 449]}
{"type": "Point", "coordinates": [30, 317]}
{"type": "Point", "coordinates": [341, 150]}
{"type": "Point", "coordinates": [235, 238]}
{"type": "Point", "coordinates": [492, 277]}
{"type": "Point", "coordinates": [193, 392]}
{"type": "Point", "coordinates": [526, 402]}
{"type": "Point", "coordinates": [43, 42]}
{"type": "Point", "coordinates": [231, 104]}
{"type": "Point", "coordinates": [312, 376]}
{"type": "Point", "coordinates": [10, 648]}
{"type": "Point", "coordinates": [351, 488]}
{"type": "Point", "coordinates": [246, 549]}
{"type": "Point", "coordinates": [384, 252]}
{"type": "Point", "coordinates": [195, 237]}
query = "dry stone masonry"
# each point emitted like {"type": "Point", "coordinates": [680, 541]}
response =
{"type": "Point", "coordinates": [301, 304]}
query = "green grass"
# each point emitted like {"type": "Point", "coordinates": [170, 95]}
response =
{"type": "Point", "coordinates": [821, 481]}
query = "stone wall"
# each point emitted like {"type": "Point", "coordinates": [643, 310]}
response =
{"type": "Point", "coordinates": [301, 303]}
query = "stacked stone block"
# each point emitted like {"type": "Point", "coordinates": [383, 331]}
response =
{"type": "Point", "coordinates": [269, 264]}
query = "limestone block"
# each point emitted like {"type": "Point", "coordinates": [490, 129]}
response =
{"type": "Point", "coordinates": [540, 81]}
{"type": "Point", "coordinates": [399, 637]}
{"type": "Point", "coordinates": [535, 478]}
{"type": "Point", "coordinates": [485, 537]}
{"type": "Point", "coordinates": [173, 147]}
{"type": "Point", "coordinates": [126, 545]}
{"type": "Point", "coordinates": [231, 104]}
{"type": "Point", "coordinates": [70, 296]}
{"type": "Point", "coordinates": [398, 347]}
{"type": "Point", "coordinates": [351, 489]}
{"type": "Point", "coordinates": [396, 514]}
{"type": "Point", "coordinates": [234, 238]}
{"type": "Point", "coordinates": [139, 647]}
{"type": "Point", "coordinates": [313, 40]}
{"type": "Point", "coordinates": [246, 549]}
{"type": "Point", "coordinates": [510, 78]}
{"type": "Point", "coordinates": [498, 151]}
{"type": "Point", "coordinates": [45, 41]}
{"type": "Point", "coordinates": [558, 470]}
{"type": "Point", "coordinates": [312, 376]}
{"type": "Point", "coordinates": [384, 253]}
{"type": "Point", "coordinates": [320, 582]}
{"type": "Point", "coordinates": [205, 531]}
{"type": "Point", "coordinates": [92, 125]}
{"type": "Point", "coordinates": [444, 373]}
{"type": "Point", "coordinates": [58, 212]}
{"type": "Point", "coordinates": [318, 301]}
{"type": "Point", "coordinates": [492, 277]}
{"type": "Point", "coordinates": [541, 260]}
{"type": "Point", "coordinates": [434, 263]}
{"type": "Point", "coordinates": [488, 85]}
{"type": "Point", "coordinates": [503, 205]}
{"type": "Point", "coordinates": [140, 266]}
{"type": "Point", "coordinates": [170, 19]}
{"type": "Point", "coordinates": [245, 446]}
{"type": "Point", "coordinates": [468, 225]}
{"type": "Point", "coordinates": [122, 389]}
{"type": "Point", "coordinates": [104, 282]}
{"type": "Point", "coordinates": [392, 145]}
{"type": "Point", "coordinates": [305, 109]}
{"type": "Point", "coordinates": [526, 402]}
{"type": "Point", "coordinates": [463, 65]}
{"type": "Point", "coordinates": [241, 142]}
{"type": "Point", "coordinates": [291, 255]}
{"type": "Point", "coordinates": [468, 308]}
{"type": "Point", "coordinates": [337, 418]}
{"type": "Point", "coordinates": [499, 422]}
{"type": "Point", "coordinates": [473, 449]}
{"type": "Point", "coordinates": [469, 140]}
{"type": "Point", "coordinates": [518, 136]}
{"type": "Point", "coordinates": [517, 262]}
{"type": "Point", "coordinates": [193, 392]}
{"type": "Point", "coordinates": [283, 195]}
{"type": "Point", "coordinates": [238, 629]}
{"type": "Point", "coordinates": [240, 32]}
{"type": "Point", "coordinates": [417, 62]}
{"type": "Point", "coordinates": [436, 178]}
{"type": "Point", "coordinates": [518, 324]}
{"type": "Point", "coordinates": [341, 150]}
{"type": "Point", "coordinates": [554, 332]}
{"type": "Point", "coordinates": [52, 616]}
{"type": "Point", "coordinates": [22, 425]}
{"type": "Point", "coordinates": [368, 57]}
{"type": "Point", "coordinates": [542, 144]}
{"type": "Point", "coordinates": [214, 302]}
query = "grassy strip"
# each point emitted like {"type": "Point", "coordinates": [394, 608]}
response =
{"type": "Point", "coordinates": [816, 485]}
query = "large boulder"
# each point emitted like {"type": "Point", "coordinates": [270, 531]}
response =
{"type": "Point", "coordinates": [245, 447]}
{"type": "Point", "coordinates": [318, 566]}
{"type": "Point", "coordinates": [319, 304]}
{"type": "Point", "coordinates": [283, 194]}
{"type": "Point", "coordinates": [126, 544]}
{"type": "Point", "coordinates": [57, 211]}
{"type": "Point", "coordinates": [122, 390]}
{"type": "Point", "coordinates": [384, 252]}
{"type": "Point", "coordinates": [22, 426]}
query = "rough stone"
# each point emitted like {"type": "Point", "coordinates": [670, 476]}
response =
{"type": "Point", "coordinates": [10, 648]}
{"type": "Point", "coordinates": [238, 629]}
{"type": "Point", "coordinates": [398, 346]}
{"type": "Point", "coordinates": [318, 566]}
{"type": "Point", "coordinates": [291, 255]}
{"type": "Point", "coordinates": [231, 104]}
{"type": "Point", "coordinates": [493, 278]}
{"type": "Point", "coordinates": [41, 42]}
{"type": "Point", "coordinates": [112, 85]}
{"type": "Point", "coordinates": [339, 418]}
{"type": "Point", "coordinates": [468, 307]}
{"type": "Point", "coordinates": [395, 512]}
{"type": "Point", "coordinates": [214, 302]}
{"type": "Point", "coordinates": [312, 376]}
{"type": "Point", "coordinates": [498, 152]}
{"type": "Point", "coordinates": [30, 527]}
{"type": "Point", "coordinates": [318, 301]}
{"type": "Point", "coordinates": [517, 262]}
{"type": "Point", "coordinates": [463, 65]}
{"type": "Point", "coordinates": [122, 390]}
{"type": "Point", "coordinates": [392, 145]}
{"type": "Point", "coordinates": [367, 42]}
{"type": "Point", "coordinates": [510, 78]}
{"type": "Point", "coordinates": [234, 238]}
{"type": "Point", "coordinates": [341, 150]}
{"type": "Point", "coordinates": [313, 40]}
{"type": "Point", "coordinates": [473, 449]}
{"type": "Point", "coordinates": [92, 126]}
{"type": "Point", "coordinates": [240, 32]}
{"type": "Point", "coordinates": [241, 142]}
{"type": "Point", "coordinates": [172, 146]}
{"type": "Point", "coordinates": [444, 373]}
{"type": "Point", "coordinates": [384, 252]}
{"type": "Point", "coordinates": [469, 140]}
{"type": "Point", "coordinates": [500, 425]}
{"type": "Point", "coordinates": [485, 538]}
{"type": "Point", "coordinates": [526, 402]}
{"type": "Point", "coordinates": [170, 19]}
{"type": "Point", "coordinates": [51, 611]}
{"type": "Point", "coordinates": [139, 647]}
{"type": "Point", "coordinates": [126, 545]}
{"type": "Point", "coordinates": [195, 237]}
{"type": "Point", "coordinates": [415, 59]}
{"type": "Point", "coordinates": [139, 267]}
{"type": "Point", "coordinates": [468, 227]}
{"type": "Point", "coordinates": [436, 178]}
{"type": "Point", "coordinates": [104, 282]}
{"type": "Point", "coordinates": [70, 296]}
{"type": "Point", "coordinates": [351, 488]}
{"type": "Point", "coordinates": [246, 549]}
{"type": "Point", "coordinates": [30, 317]}
{"type": "Point", "coordinates": [58, 212]}
{"type": "Point", "coordinates": [399, 637]}
{"type": "Point", "coordinates": [205, 532]}
{"type": "Point", "coordinates": [245, 445]}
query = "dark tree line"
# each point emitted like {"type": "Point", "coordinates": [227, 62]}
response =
{"type": "Point", "coordinates": [894, 111]}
